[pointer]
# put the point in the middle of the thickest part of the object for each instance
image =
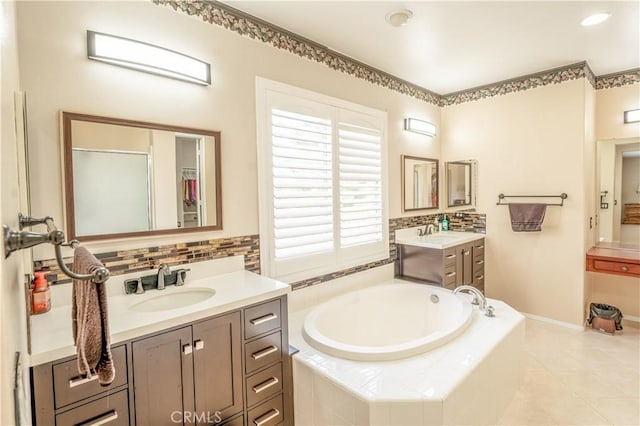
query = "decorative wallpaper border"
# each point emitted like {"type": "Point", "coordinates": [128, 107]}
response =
{"type": "Point", "coordinates": [143, 259]}
{"type": "Point", "coordinates": [216, 13]}
{"type": "Point", "coordinates": [518, 84]}
{"type": "Point", "coordinates": [618, 79]}
{"type": "Point", "coordinates": [223, 15]}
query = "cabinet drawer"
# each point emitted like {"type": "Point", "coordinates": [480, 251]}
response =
{"type": "Point", "coordinates": [478, 266]}
{"type": "Point", "coordinates": [478, 281]}
{"type": "Point", "coordinates": [478, 248]}
{"type": "Point", "coordinates": [262, 318]}
{"type": "Point", "coordinates": [264, 384]}
{"type": "Point", "coordinates": [449, 257]}
{"type": "Point", "coordinates": [267, 414]}
{"type": "Point", "coordinates": [70, 387]}
{"type": "Point", "coordinates": [450, 276]}
{"type": "Point", "coordinates": [263, 351]}
{"type": "Point", "coordinates": [618, 267]}
{"type": "Point", "coordinates": [112, 410]}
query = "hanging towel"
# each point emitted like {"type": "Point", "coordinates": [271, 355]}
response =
{"type": "Point", "coordinates": [90, 320]}
{"type": "Point", "coordinates": [527, 217]}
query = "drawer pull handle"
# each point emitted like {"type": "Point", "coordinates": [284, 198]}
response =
{"type": "Point", "coordinates": [272, 414]}
{"type": "Point", "coordinates": [480, 247]}
{"type": "Point", "coordinates": [451, 274]}
{"type": "Point", "coordinates": [103, 420]}
{"type": "Point", "coordinates": [266, 385]}
{"type": "Point", "coordinates": [450, 256]}
{"type": "Point", "coordinates": [198, 344]}
{"type": "Point", "coordinates": [263, 319]}
{"type": "Point", "coordinates": [624, 268]}
{"type": "Point", "coordinates": [187, 349]}
{"type": "Point", "coordinates": [480, 262]}
{"type": "Point", "coordinates": [82, 380]}
{"type": "Point", "coordinates": [264, 352]}
{"type": "Point", "coordinates": [480, 277]}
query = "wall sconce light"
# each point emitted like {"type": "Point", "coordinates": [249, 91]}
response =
{"type": "Point", "coordinates": [419, 126]}
{"type": "Point", "coordinates": [632, 116]}
{"type": "Point", "coordinates": [146, 57]}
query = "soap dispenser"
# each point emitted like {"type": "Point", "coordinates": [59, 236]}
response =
{"type": "Point", "coordinates": [41, 294]}
{"type": "Point", "coordinates": [445, 223]}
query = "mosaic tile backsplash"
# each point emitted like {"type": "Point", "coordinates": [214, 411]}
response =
{"type": "Point", "coordinates": [128, 261]}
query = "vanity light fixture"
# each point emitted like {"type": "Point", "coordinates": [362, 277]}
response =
{"type": "Point", "coordinates": [146, 57]}
{"type": "Point", "coordinates": [595, 19]}
{"type": "Point", "coordinates": [632, 116]}
{"type": "Point", "coordinates": [420, 126]}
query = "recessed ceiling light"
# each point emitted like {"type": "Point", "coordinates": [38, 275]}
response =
{"type": "Point", "coordinates": [399, 18]}
{"type": "Point", "coordinates": [595, 19]}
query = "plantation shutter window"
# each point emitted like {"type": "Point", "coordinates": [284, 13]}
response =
{"type": "Point", "coordinates": [322, 183]}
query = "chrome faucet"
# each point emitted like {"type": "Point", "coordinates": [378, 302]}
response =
{"type": "Point", "coordinates": [162, 272]}
{"type": "Point", "coordinates": [478, 298]}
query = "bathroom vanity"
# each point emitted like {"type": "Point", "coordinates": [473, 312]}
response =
{"type": "Point", "coordinates": [216, 362]}
{"type": "Point", "coordinates": [448, 259]}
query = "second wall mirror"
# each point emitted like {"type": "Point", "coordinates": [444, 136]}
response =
{"type": "Point", "coordinates": [127, 178]}
{"type": "Point", "coordinates": [419, 183]}
{"type": "Point", "coordinates": [460, 183]}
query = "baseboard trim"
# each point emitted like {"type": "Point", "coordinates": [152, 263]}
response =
{"type": "Point", "coordinates": [553, 321]}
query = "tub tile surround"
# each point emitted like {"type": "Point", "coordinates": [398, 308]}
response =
{"type": "Point", "coordinates": [143, 259]}
{"type": "Point", "coordinates": [447, 385]}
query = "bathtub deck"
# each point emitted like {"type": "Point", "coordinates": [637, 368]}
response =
{"type": "Point", "coordinates": [470, 380]}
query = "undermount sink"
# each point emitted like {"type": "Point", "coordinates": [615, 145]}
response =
{"type": "Point", "coordinates": [174, 300]}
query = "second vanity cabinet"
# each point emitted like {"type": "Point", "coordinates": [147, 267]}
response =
{"type": "Point", "coordinates": [231, 369]}
{"type": "Point", "coordinates": [462, 264]}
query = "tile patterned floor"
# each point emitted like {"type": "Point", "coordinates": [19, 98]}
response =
{"type": "Point", "coordinates": [577, 378]}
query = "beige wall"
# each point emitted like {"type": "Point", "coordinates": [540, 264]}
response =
{"type": "Point", "coordinates": [529, 142]}
{"type": "Point", "coordinates": [623, 292]}
{"type": "Point", "coordinates": [13, 333]}
{"type": "Point", "coordinates": [610, 107]}
{"type": "Point", "coordinates": [57, 76]}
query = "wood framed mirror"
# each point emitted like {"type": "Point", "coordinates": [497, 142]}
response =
{"type": "Point", "coordinates": [459, 183]}
{"type": "Point", "coordinates": [125, 178]}
{"type": "Point", "coordinates": [420, 183]}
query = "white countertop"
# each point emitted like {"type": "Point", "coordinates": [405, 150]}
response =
{"type": "Point", "coordinates": [439, 240]}
{"type": "Point", "coordinates": [51, 335]}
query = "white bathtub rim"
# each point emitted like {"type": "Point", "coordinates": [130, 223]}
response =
{"type": "Point", "coordinates": [307, 356]}
{"type": "Point", "coordinates": [387, 353]}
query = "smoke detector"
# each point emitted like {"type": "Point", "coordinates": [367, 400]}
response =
{"type": "Point", "coordinates": [399, 18]}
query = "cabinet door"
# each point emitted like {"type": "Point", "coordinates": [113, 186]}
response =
{"type": "Point", "coordinates": [218, 366]}
{"type": "Point", "coordinates": [163, 379]}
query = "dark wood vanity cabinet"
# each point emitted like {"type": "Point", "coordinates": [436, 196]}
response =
{"type": "Point", "coordinates": [224, 370]}
{"type": "Point", "coordinates": [462, 264]}
{"type": "Point", "coordinates": [195, 369]}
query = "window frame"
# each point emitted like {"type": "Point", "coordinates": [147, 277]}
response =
{"type": "Point", "coordinates": [340, 257]}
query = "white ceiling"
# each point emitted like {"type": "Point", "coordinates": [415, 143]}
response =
{"type": "Point", "coordinates": [450, 45]}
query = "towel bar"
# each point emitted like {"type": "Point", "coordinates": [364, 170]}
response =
{"type": "Point", "coordinates": [562, 197]}
{"type": "Point", "coordinates": [18, 240]}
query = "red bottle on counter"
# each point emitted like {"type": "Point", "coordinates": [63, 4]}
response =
{"type": "Point", "coordinates": [40, 295]}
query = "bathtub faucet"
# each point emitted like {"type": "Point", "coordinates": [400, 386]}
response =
{"type": "Point", "coordinates": [477, 294]}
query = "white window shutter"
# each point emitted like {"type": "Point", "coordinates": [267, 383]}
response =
{"type": "Point", "coordinates": [302, 183]}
